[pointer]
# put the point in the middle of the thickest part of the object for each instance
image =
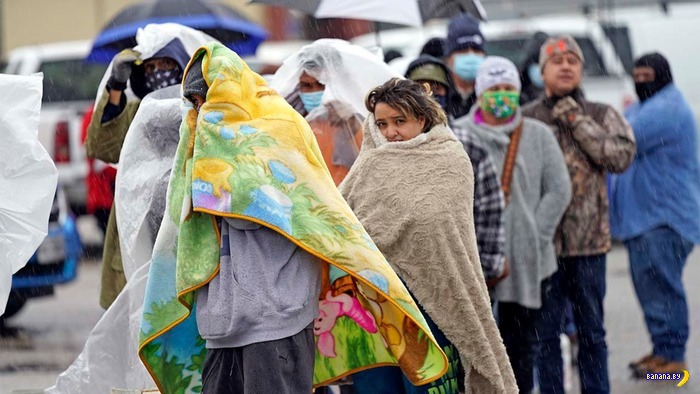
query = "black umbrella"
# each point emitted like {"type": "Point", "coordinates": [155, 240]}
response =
{"type": "Point", "coordinates": [211, 17]}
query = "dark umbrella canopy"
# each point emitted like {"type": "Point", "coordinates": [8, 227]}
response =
{"type": "Point", "coordinates": [211, 17]}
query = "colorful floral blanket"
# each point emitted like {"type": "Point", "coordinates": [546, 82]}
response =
{"type": "Point", "coordinates": [249, 155]}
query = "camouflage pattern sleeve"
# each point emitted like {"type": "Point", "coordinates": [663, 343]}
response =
{"type": "Point", "coordinates": [610, 144]}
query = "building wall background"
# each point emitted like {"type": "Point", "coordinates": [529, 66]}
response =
{"type": "Point", "coordinates": [32, 22]}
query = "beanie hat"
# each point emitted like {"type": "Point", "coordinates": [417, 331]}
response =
{"type": "Point", "coordinates": [558, 45]}
{"type": "Point", "coordinates": [194, 82]}
{"type": "Point", "coordinates": [496, 70]}
{"type": "Point", "coordinates": [462, 33]}
{"type": "Point", "coordinates": [434, 47]}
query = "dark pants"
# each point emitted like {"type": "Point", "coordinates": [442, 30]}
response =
{"type": "Point", "coordinates": [284, 366]}
{"type": "Point", "coordinates": [657, 258]}
{"type": "Point", "coordinates": [390, 380]}
{"type": "Point", "coordinates": [582, 280]}
{"type": "Point", "coordinates": [519, 332]}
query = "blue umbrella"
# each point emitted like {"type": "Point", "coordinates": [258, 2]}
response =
{"type": "Point", "coordinates": [211, 17]}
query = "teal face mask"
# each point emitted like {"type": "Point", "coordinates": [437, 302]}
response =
{"type": "Point", "coordinates": [466, 65]}
{"type": "Point", "coordinates": [535, 75]}
{"type": "Point", "coordinates": [501, 104]}
{"type": "Point", "coordinates": [311, 100]}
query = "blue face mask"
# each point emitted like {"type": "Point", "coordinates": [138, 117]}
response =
{"type": "Point", "coordinates": [535, 75]}
{"type": "Point", "coordinates": [466, 65]}
{"type": "Point", "coordinates": [311, 100]}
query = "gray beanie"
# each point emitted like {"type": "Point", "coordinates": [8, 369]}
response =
{"type": "Point", "coordinates": [496, 70]}
{"type": "Point", "coordinates": [194, 82]}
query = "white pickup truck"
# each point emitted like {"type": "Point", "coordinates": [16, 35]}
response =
{"type": "Point", "coordinates": [70, 86]}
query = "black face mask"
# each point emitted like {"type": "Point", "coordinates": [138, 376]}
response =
{"type": "Point", "coordinates": [647, 89]}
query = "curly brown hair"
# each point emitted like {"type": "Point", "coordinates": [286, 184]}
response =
{"type": "Point", "coordinates": [410, 99]}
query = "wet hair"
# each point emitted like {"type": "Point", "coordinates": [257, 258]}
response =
{"type": "Point", "coordinates": [410, 99]}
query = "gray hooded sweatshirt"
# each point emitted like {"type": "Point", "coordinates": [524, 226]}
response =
{"type": "Point", "coordinates": [540, 193]}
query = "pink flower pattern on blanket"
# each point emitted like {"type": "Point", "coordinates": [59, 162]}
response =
{"type": "Point", "coordinates": [330, 310]}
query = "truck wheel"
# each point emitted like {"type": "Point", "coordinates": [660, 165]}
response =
{"type": "Point", "coordinates": [14, 304]}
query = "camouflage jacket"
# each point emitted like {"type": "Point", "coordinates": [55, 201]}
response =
{"type": "Point", "coordinates": [601, 141]}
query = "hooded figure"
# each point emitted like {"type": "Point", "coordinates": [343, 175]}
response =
{"type": "Point", "coordinates": [155, 62]}
{"type": "Point", "coordinates": [654, 210]}
{"type": "Point", "coordinates": [662, 75]}
{"type": "Point", "coordinates": [141, 191]}
{"type": "Point", "coordinates": [249, 179]}
{"type": "Point", "coordinates": [326, 82]}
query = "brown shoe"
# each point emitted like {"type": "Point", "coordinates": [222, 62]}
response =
{"type": "Point", "coordinates": [642, 362]}
{"type": "Point", "coordinates": [664, 366]}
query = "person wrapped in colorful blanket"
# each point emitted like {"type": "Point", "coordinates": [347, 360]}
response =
{"type": "Point", "coordinates": [262, 279]}
{"type": "Point", "coordinates": [408, 188]}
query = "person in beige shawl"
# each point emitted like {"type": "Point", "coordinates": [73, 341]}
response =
{"type": "Point", "coordinates": [408, 187]}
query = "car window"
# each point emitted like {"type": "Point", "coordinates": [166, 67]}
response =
{"type": "Point", "coordinates": [71, 80]}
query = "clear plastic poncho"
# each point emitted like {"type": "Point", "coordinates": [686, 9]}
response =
{"type": "Point", "coordinates": [27, 177]}
{"type": "Point", "coordinates": [348, 72]}
{"type": "Point", "coordinates": [110, 356]}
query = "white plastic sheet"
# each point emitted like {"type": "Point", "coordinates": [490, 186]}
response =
{"type": "Point", "coordinates": [109, 359]}
{"type": "Point", "coordinates": [144, 170]}
{"type": "Point", "coordinates": [28, 177]}
{"type": "Point", "coordinates": [348, 72]}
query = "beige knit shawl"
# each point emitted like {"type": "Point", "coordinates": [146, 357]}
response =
{"type": "Point", "coordinates": [415, 199]}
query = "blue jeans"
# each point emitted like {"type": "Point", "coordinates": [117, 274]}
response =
{"type": "Point", "coordinates": [657, 258]}
{"type": "Point", "coordinates": [582, 280]}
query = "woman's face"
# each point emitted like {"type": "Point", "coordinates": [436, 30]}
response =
{"type": "Point", "coordinates": [396, 126]}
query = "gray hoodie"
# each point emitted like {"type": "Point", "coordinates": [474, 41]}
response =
{"type": "Point", "coordinates": [540, 193]}
{"type": "Point", "coordinates": [267, 288]}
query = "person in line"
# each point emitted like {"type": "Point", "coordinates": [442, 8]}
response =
{"type": "Point", "coordinates": [325, 82]}
{"type": "Point", "coordinates": [654, 210]}
{"type": "Point", "coordinates": [412, 188]}
{"type": "Point", "coordinates": [537, 187]}
{"type": "Point", "coordinates": [595, 140]}
{"type": "Point", "coordinates": [464, 53]}
{"type": "Point", "coordinates": [110, 122]}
